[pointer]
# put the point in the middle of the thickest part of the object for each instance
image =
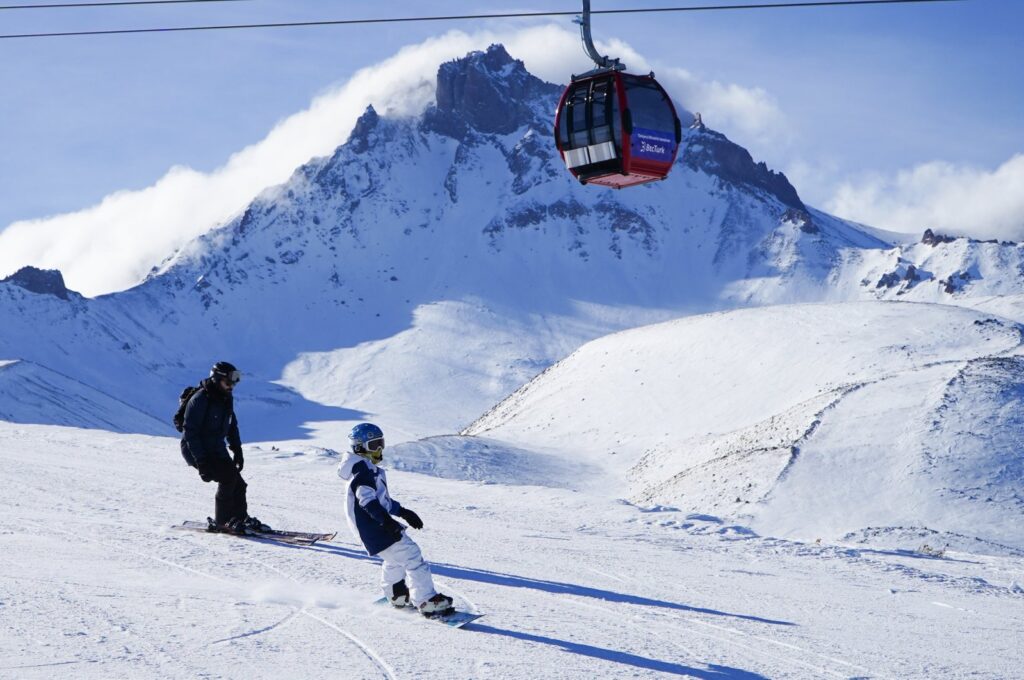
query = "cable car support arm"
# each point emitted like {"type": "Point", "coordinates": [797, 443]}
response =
{"type": "Point", "coordinates": [603, 63]}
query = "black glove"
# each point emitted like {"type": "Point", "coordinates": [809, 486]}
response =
{"type": "Point", "coordinates": [394, 528]}
{"type": "Point", "coordinates": [411, 517]}
{"type": "Point", "coordinates": [239, 459]}
{"type": "Point", "coordinates": [206, 472]}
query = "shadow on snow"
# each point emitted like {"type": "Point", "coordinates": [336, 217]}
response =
{"type": "Point", "coordinates": [555, 587]}
{"type": "Point", "coordinates": [712, 672]}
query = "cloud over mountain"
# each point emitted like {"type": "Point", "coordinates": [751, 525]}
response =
{"type": "Point", "coordinates": [963, 200]}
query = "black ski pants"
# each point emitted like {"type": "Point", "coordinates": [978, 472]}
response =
{"type": "Point", "coordinates": [230, 500]}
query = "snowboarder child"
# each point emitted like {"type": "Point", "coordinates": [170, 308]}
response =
{"type": "Point", "coordinates": [369, 509]}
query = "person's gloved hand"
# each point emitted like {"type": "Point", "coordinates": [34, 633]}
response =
{"type": "Point", "coordinates": [206, 472]}
{"type": "Point", "coordinates": [412, 518]}
{"type": "Point", "coordinates": [239, 459]}
{"type": "Point", "coordinates": [394, 528]}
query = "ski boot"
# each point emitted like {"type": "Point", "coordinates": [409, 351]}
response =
{"type": "Point", "coordinates": [253, 524]}
{"type": "Point", "coordinates": [399, 595]}
{"type": "Point", "coordinates": [438, 605]}
{"type": "Point", "coordinates": [232, 526]}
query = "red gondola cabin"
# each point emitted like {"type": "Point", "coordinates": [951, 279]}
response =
{"type": "Point", "coordinates": [617, 129]}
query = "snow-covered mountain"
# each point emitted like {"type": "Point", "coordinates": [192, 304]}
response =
{"type": "Point", "coordinates": [434, 264]}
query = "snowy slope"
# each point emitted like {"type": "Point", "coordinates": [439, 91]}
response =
{"type": "Point", "coordinates": [30, 393]}
{"type": "Point", "coordinates": [811, 421]}
{"type": "Point", "coordinates": [573, 586]}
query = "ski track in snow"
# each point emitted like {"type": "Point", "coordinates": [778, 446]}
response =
{"type": "Point", "coordinates": [386, 670]}
{"type": "Point", "coordinates": [742, 634]}
{"type": "Point", "coordinates": [298, 611]}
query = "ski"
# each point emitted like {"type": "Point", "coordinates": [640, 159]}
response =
{"type": "Point", "coordinates": [307, 535]}
{"type": "Point", "coordinates": [191, 525]}
{"type": "Point", "coordinates": [453, 618]}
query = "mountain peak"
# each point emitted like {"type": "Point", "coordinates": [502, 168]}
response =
{"type": "Point", "coordinates": [359, 139]}
{"type": "Point", "coordinates": [488, 91]}
{"type": "Point", "coordinates": [715, 154]}
{"type": "Point", "coordinates": [42, 281]}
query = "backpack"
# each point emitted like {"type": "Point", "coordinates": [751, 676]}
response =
{"type": "Point", "coordinates": [179, 415]}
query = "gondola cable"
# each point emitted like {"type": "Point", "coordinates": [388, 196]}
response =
{"type": "Point", "coordinates": [114, 3]}
{"type": "Point", "coordinates": [467, 17]}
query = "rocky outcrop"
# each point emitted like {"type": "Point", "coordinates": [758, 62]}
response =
{"type": "Point", "coordinates": [930, 238]}
{"type": "Point", "coordinates": [711, 152]}
{"type": "Point", "coordinates": [488, 91]}
{"type": "Point", "coordinates": [41, 281]}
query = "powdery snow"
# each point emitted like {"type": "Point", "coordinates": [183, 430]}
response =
{"type": "Point", "coordinates": [573, 585]}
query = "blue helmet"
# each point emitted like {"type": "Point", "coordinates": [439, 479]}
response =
{"type": "Point", "coordinates": [367, 441]}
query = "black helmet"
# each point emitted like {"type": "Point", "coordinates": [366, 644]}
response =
{"type": "Point", "coordinates": [222, 370]}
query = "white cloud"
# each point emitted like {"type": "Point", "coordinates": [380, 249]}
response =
{"type": "Point", "coordinates": [815, 179]}
{"type": "Point", "coordinates": [749, 115]}
{"type": "Point", "coordinates": [947, 198]}
{"type": "Point", "coordinates": [112, 245]}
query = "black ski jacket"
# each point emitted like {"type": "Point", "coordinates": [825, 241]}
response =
{"type": "Point", "coordinates": [209, 420]}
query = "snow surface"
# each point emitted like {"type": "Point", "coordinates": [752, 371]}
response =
{"type": "Point", "coordinates": [573, 585]}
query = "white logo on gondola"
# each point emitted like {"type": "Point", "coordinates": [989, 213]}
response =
{"type": "Point", "coordinates": [652, 144]}
{"type": "Point", "coordinates": [651, 148]}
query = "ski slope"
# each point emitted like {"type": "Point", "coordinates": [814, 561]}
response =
{"type": "Point", "coordinates": [574, 585]}
{"type": "Point", "coordinates": [842, 422]}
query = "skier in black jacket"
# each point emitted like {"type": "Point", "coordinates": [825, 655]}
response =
{"type": "Point", "coordinates": [209, 421]}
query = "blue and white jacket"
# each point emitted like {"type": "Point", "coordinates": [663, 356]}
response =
{"type": "Point", "coordinates": [367, 503]}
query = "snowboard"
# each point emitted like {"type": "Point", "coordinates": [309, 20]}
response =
{"type": "Point", "coordinates": [453, 619]}
{"type": "Point", "coordinates": [291, 537]}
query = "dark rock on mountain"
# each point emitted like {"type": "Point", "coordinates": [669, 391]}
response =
{"type": "Point", "coordinates": [955, 282]}
{"type": "Point", "coordinates": [930, 238]}
{"type": "Point", "coordinates": [41, 281]}
{"type": "Point", "coordinates": [488, 91]}
{"type": "Point", "coordinates": [359, 140]}
{"type": "Point", "coordinates": [802, 218]}
{"type": "Point", "coordinates": [713, 153]}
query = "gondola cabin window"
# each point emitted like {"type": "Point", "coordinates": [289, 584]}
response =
{"type": "Point", "coordinates": [653, 133]}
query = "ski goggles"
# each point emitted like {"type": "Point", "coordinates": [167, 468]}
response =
{"type": "Point", "coordinates": [233, 378]}
{"type": "Point", "coordinates": [375, 444]}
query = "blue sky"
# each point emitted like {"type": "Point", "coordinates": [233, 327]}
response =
{"type": "Point", "coordinates": [870, 110]}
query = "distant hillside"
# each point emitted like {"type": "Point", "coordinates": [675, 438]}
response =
{"type": "Point", "coordinates": [811, 421]}
{"type": "Point", "coordinates": [30, 393]}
